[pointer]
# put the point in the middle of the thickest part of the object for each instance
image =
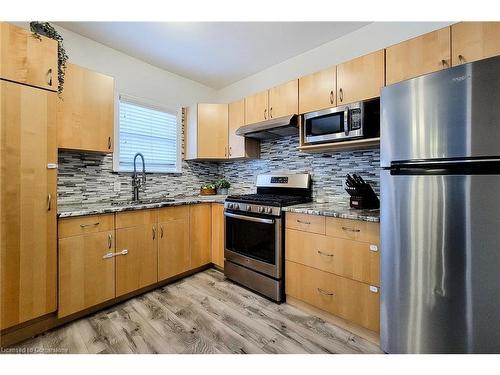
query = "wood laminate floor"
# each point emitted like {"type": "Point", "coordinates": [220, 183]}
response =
{"type": "Point", "coordinates": [204, 313]}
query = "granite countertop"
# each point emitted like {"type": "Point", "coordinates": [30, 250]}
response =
{"type": "Point", "coordinates": [95, 208]}
{"type": "Point", "coordinates": [335, 209]}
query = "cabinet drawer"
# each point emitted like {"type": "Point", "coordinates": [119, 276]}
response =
{"type": "Point", "coordinates": [349, 299]}
{"type": "Point", "coordinates": [173, 213]}
{"type": "Point", "coordinates": [306, 223]}
{"type": "Point", "coordinates": [135, 218]}
{"type": "Point", "coordinates": [351, 259]}
{"type": "Point", "coordinates": [356, 230]}
{"type": "Point", "coordinates": [74, 226]}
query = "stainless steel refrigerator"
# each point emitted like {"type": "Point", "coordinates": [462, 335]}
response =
{"type": "Point", "coordinates": [440, 212]}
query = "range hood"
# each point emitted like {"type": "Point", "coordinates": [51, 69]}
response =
{"type": "Point", "coordinates": [272, 128]}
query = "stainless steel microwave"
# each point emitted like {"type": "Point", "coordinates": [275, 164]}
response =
{"type": "Point", "coordinates": [347, 122]}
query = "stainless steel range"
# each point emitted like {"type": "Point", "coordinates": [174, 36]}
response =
{"type": "Point", "coordinates": [254, 227]}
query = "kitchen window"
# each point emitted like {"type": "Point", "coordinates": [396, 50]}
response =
{"type": "Point", "coordinates": [150, 129]}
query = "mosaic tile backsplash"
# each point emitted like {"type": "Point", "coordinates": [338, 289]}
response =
{"type": "Point", "coordinates": [89, 178]}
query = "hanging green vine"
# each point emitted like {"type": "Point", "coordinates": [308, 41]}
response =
{"type": "Point", "coordinates": [46, 29]}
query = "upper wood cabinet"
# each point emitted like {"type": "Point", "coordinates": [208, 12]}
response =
{"type": "Point", "coordinates": [471, 41]}
{"type": "Point", "coordinates": [284, 99]}
{"type": "Point", "coordinates": [276, 102]}
{"type": "Point", "coordinates": [85, 114]}
{"type": "Point", "coordinates": [239, 146]}
{"type": "Point", "coordinates": [256, 107]}
{"type": "Point", "coordinates": [173, 244]}
{"type": "Point", "coordinates": [360, 78]}
{"type": "Point", "coordinates": [200, 234]}
{"type": "Point", "coordinates": [28, 252]}
{"type": "Point", "coordinates": [86, 264]}
{"type": "Point", "coordinates": [318, 90]}
{"type": "Point", "coordinates": [27, 59]}
{"type": "Point", "coordinates": [212, 131]}
{"type": "Point", "coordinates": [421, 55]}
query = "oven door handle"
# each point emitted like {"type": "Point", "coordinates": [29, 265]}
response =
{"type": "Point", "coordinates": [249, 218]}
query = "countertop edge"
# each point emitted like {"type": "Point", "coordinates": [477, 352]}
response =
{"type": "Point", "coordinates": [343, 213]}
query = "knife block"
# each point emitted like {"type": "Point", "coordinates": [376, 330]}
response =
{"type": "Point", "coordinates": [363, 197]}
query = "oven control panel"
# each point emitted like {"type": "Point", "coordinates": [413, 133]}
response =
{"type": "Point", "coordinates": [279, 180]}
{"type": "Point", "coordinates": [252, 208]}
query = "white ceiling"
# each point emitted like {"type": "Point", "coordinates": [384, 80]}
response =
{"type": "Point", "coordinates": [213, 53]}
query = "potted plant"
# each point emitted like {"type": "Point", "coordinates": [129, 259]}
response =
{"type": "Point", "coordinates": [208, 189]}
{"type": "Point", "coordinates": [46, 29]}
{"type": "Point", "coordinates": [222, 186]}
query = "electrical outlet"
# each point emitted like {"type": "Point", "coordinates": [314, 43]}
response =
{"type": "Point", "coordinates": [116, 186]}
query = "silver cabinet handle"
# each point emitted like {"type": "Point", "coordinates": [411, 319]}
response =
{"type": "Point", "coordinates": [265, 114]}
{"type": "Point", "coordinates": [109, 143]}
{"type": "Point", "coordinates": [325, 254]}
{"type": "Point", "coordinates": [111, 255]}
{"type": "Point", "coordinates": [341, 95]}
{"type": "Point", "coordinates": [303, 222]}
{"type": "Point", "coordinates": [49, 77]}
{"type": "Point", "coordinates": [161, 231]}
{"type": "Point", "coordinates": [444, 63]}
{"type": "Point", "coordinates": [271, 112]}
{"type": "Point", "coordinates": [225, 151]}
{"type": "Point", "coordinates": [49, 202]}
{"type": "Point", "coordinates": [230, 150]}
{"type": "Point", "coordinates": [110, 240]}
{"type": "Point", "coordinates": [331, 97]}
{"type": "Point", "coordinates": [351, 229]}
{"type": "Point", "coordinates": [154, 233]}
{"type": "Point", "coordinates": [324, 292]}
{"type": "Point", "coordinates": [461, 58]}
{"type": "Point", "coordinates": [89, 225]}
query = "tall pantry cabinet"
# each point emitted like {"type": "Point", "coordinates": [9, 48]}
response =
{"type": "Point", "coordinates": [28, 174]}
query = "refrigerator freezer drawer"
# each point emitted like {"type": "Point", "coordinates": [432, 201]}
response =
{"type": "Point", "coordinates": [440, 264]}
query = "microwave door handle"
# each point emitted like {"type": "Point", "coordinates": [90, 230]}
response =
{"type": "Point", "coordinates": [346, 121]}
{"type": "Point", "coordinates": [249, 218]}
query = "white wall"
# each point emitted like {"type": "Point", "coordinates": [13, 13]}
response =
{"type": "Point", "coordinates": [132, 76]}
{"type": "Point", "coordinates": [367, 39]}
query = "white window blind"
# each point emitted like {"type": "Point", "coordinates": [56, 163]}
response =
{"type": "Point", "coordinates": [151, 131]}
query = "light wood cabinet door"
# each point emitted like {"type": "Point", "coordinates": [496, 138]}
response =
{"type": "Point", "coordinates": [200, 234]}
{"type": "Point", "coordinates": [284, 99]}
{"type": "Point", "coordinates": [352, 259]}
{"type": "Point", "coordinates": [85, 114]}
{"type": "Point", "coordinates": [28, 237]}
{"type": "Point", "coordinates": [86, 271]}
{"type": "Point", "coordinates": [218, 234]}
{"type": "Point", "coordinates": [256, 107]}
{"type": "Point", "coordinates": [212, 131]}
{"type": "Point", "coordinates": [471, 41]}
{"type": "Point", "coordinates": [27, 59]}
{"type": "Point", "coordinates": [318, 90]}
{"type": "Point", "coordinates": [349, 299]}
{"type": "Point", "coordinates": [137, 258]}
{"type": "Point", "coordinates": [360, 78]}
{"type": "Point", "coordinates": [173, 244]}
{"type": "Point", "coordinates": [421, 55]}
{"type": "Point", "coordinates": [239, 146]}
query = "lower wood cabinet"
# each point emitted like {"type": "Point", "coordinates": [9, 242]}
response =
{"type": "Point", "coordinates": [349, 299]}
{"type": "Point", "coordinates": [200, 233]}
{"type": "Point", "coordinates": [136, 250]}
{"type": "Point", "coordinates": [173, 244]}
{"type": "Point", "coordinates": [86, 271]}
{"type": "Point", "coordinates": [218, 234]}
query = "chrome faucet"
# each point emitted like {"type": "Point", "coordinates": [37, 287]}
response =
{"type": "Point", "coordinates": [138, 181]}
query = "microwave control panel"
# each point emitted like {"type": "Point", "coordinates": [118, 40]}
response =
{"type": "Point", "coordinates": [355, 115]}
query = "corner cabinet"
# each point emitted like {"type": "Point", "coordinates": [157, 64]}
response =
{"type": "Point", "coordinates": [421, 55]}
{"type": "Point", "coordinates": [27, 59]}
{"type": "Point", "coordinates": [211, 133]}
{"type": "Point", "coordinates": [471, 41]}
{"type": "Point", "coordinates": [28, 157]}
{"type": "Point", "coordinates": [85, 112]}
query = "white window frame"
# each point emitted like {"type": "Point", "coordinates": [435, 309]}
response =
{"type": "Point", "coordinates": [152, 105]}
